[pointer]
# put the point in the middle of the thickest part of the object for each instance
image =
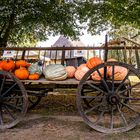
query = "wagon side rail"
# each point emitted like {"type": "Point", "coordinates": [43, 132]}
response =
{"type": "Point", "coordinates": [72, 55]}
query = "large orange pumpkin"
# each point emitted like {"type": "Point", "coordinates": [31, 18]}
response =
{"type": "Point", "coordinates": [96, 76]}
{"type": "Point", "coordinates": [81, 66]}
{"type": "Point", "coordinates": [7, 65]}
{"type": "Point", "coordinates": [119, 72]}
{"type": "Point", "coordinates": [81, 72]}
{"type": "Point", "coordinates": [21, 63]}
{"type": "Point", "coordinates": [70, 71]}
{"type": "Point", "coordinates": [22, 73]}
{"type": "Point", "coordinates": [93, 62]}
{"type": "Point", "coordinates": [0, 65]}
{"type": "Point", "coordinates": [34, 76]}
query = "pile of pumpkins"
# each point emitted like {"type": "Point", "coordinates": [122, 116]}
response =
{"type": "Point", "coordinates": [24, 70]}
{"type": "Point", "coordinates": [21, 69]}
{"type": "Point", "coordinates": [59, 72]}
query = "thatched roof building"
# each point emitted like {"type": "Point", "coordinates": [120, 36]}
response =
{"type": "Point", "coordinates": [63, 41]}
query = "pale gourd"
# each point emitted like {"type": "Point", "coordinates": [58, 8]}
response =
{"type": "Point", "coordinates": [35, 68]}
{"type": "Point", "coordinates": [55, 72]}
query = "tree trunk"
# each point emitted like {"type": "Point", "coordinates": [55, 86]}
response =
{"type": "Point", "coordinates": [7, 29]}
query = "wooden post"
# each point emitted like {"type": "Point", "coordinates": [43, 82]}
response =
{"type": "Point", "coordinates": [63, 56]}
{"type": "Point", "coordinates": [23, 55]}
{"type": "Point", "coordinates": [106, 49]}
{"type": "Point", "coordinates": [105, 56]}
{"type": "Point", "coordinates": [55, 59]}
{"type": "Point", "coordinates": [137, 57]}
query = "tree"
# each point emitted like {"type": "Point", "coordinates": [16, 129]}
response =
{"type": "Point", "coordinates": [126, 31]}
{"type": "Point", "coordinates": [34, 20]}
{"type": "Point", "coordinates": [110, 13]}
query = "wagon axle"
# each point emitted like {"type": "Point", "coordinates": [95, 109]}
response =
{"type": "Point", "coordinates": [113, 99]}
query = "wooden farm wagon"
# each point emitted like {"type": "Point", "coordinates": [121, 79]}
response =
{"type": "Point", "coordinates": [108, 105]}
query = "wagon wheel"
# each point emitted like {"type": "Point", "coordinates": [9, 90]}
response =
{"type": "Point", "coordinates": [111, 106]}
{"type": "Point", "coordinates": [88, 102]}
{"type": "Point", "coordinates": [13, 100]}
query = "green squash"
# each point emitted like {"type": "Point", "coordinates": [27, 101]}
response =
{"type": "Point", "coordinates": [36, 68]}
{"type": "Point", "coordinates": [55, 72]}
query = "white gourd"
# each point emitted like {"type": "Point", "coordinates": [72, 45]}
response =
{"type": "Point", "coordinates": [35, 68]}
{"type": "Point", "coordinates": [55, 72]}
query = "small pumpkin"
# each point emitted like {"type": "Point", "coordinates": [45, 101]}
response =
{"type": "Point", "coordinates": [21, 63]}
{"type": "Point", "coordinates": [70, 71]}
{"type": "Point", "coordinates": [22, 73]}
{"type": "Point", "coordinates": [7, 65]}
{"type": "Point", "coordinates": [80, 72]}
{"type": "Point", "coordinates": [55, 72]}
{"type": "Point", "coordinates": [93, 62]}
{"type": "Point", "coordinates": [34, 76]}
{"type": "Point", "coordinates": [35, 68]}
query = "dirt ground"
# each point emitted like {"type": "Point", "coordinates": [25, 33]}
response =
{"type": "Point", "coordinates": [57, 118]}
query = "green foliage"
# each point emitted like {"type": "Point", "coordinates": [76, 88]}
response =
{"type": "Point", "coordinates": [115, 13]}
{"type": "Point", "coordinates": [35, 20]}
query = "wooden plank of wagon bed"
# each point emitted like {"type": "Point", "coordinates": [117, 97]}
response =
{"type": "Point", "coordinates": [70, 81]}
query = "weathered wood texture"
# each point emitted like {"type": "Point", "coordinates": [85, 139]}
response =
{"type": "Point", "coordinates": [127, 54]}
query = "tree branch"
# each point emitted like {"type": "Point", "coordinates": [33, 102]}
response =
{"type": "Point", "coordinates": [2, 29]}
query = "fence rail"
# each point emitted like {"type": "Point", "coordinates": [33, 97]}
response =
{"type": "Point", "coordinates": [63, 55]}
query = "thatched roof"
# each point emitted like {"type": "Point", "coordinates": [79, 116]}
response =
{"type": "Point", "coordinates": [63, 41]}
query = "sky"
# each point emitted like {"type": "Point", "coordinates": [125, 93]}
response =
{"type": "Point", "coordinates": [87, 39]}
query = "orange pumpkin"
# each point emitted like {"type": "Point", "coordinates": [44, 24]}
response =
{"type": "Point", "coordinates": [93, 62]}
{"type": "Point", "coordinates": [96, 76]}
{"type": "Point", "coordinates": [81, 66]}
{"type": "Point", "coordinates": [34, 76]}
{"type": "Point", "coordinates": [81, 72]}
{"type": "Point", "coordinates": [21, 63]}
{"type": "Point", "coordinates": [7, 65]}
{"type": "Point", "coordinates": [70, 71]}
{"type": "Point", "coordinates": [22, 73]}
{"type": "Point", "coordinates": [119, 72]}
{"type": "Point", "coordinates": [0, 65]}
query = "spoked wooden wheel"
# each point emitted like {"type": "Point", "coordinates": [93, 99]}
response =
{"type": "Point", "coordinates": [13, 100]}
{"type": "Point", "coordinates": [111, 106]}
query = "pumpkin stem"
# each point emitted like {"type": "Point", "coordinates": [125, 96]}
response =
{"type": "Point", "coordinates": [40, 63]}
{"type": "Point", "coordinates": [7, 60]}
